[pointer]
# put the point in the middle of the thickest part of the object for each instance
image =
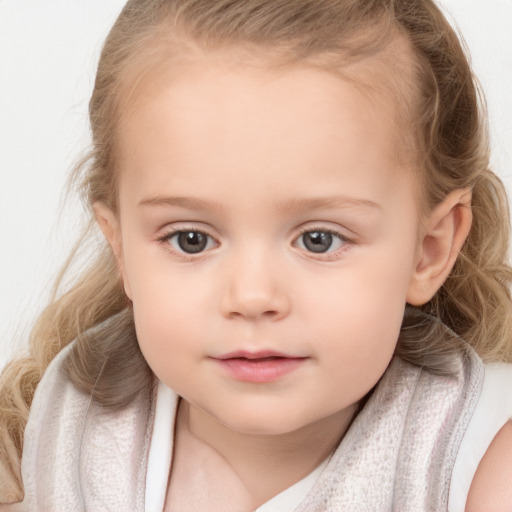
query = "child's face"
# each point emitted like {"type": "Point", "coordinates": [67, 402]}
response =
{"type": "Point", "coordinates": [265, 214]}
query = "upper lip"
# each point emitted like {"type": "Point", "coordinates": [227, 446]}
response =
{"type": "Point", "coordinates": [261, 354]}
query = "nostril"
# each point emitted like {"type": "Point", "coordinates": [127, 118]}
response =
{"type": "Point", "coordinates": [255, 307]}
{"type": "Point", "coordinates": [255, 314]}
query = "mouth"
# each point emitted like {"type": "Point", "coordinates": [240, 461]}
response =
{"type": "Point", "coordinates": [246, 354]}
{"type": "Point", "coordinates": [258, 367]}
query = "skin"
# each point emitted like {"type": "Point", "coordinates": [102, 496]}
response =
{"type": "Point", "coordinates": [490, 489]}
{"type": "Point", "coordinates": [253, 159]}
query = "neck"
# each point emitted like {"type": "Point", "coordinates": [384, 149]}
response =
{"type": "Point", "coordinates": [268, 464]}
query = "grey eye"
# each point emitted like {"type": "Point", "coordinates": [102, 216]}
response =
{"type": "Point", "coordinates": [320, 241]}
{"type": "Point", "coordinates": [190, 242]}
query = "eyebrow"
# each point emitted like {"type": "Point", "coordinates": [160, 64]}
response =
{"type": "Point", "coordinates": [298, 205]}
{"type": "Point", "coordinates": [191, 203]}
{"type": "Point", "coordinates": [292, 205]}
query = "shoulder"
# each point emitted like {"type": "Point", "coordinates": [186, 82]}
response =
{"type": "Point", "coordinates": [54, 401]}
{"type": "Point", "coordinates": [81, 455]}
{"type": "Point", "coordinates": [51, 427]}
{"type": "Point", "coordinates": [491, 489]}
{"type": "Point", "coordinates": [54, 382]}
{"type": "Point", "coordinates": [48, 400]}
{"type": "Point", "coordinates": [484, 459]}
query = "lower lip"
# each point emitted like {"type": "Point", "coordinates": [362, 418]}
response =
{"type": "Point", "coordinates": [260, 370]}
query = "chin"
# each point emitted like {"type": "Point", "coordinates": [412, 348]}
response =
{"type": "Point", "coordinates": [262, 424]}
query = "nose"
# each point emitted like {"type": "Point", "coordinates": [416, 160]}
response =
{"type": "Point", "coordinates": [254, 290]}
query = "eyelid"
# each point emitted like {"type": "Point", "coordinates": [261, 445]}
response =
{"type": "Point", "coordinates": [171, 232]}
{"type": "Point", "coordinates": [341, 232]}
{"type": "Point", "coordinates": [347, 242]}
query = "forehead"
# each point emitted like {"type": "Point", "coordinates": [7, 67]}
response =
{"type": "Point", "coordinates": [299, 130]}
{"type": "Point", "coordinates": [214, 94]}
{"type": "Point", "coordinates": [387, 77]}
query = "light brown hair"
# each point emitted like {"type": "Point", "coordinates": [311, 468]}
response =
{"type": "Point", "coordinates": [450, 143]}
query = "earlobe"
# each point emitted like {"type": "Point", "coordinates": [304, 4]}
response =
{"type": "Point", "coordinates": [108, 222]}
{"type": "Point", "coordinates": [445, 231]}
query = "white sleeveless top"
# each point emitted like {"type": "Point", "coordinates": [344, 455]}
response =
{"type": "Point", "coordinates": [493, 410]}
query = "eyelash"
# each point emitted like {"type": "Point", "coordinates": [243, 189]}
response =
{"type": "Point", "coordinates": [167, 237]}
{"type": "Point", "coordinates": [335, 234]}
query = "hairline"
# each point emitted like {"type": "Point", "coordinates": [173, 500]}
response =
{"type": "Point", "coordinates": [372, 74]}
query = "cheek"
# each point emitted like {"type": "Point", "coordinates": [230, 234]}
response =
{"type": "Point", "coordinates": [360, 317]}
{"type": "Point", "coordinates": [168, 334]}
{"type": "Point", "coordinates": [167, 312]}
{"type": "Point", "coordinates": [165, 304]}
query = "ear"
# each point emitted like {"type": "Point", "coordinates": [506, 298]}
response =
{"type": "Point", "coordinates": [111, 229]}
{"type": "Point", "coordinates": [444, 233]}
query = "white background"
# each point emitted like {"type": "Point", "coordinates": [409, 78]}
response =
{"type": "Point", "coordinates": [48, 54]}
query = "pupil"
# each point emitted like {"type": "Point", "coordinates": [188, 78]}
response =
{"type": "Point", "coordinates": [192, 242]}
{"type": "Point", "coordinates": [317, 241]}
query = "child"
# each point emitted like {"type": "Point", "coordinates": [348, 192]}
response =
{"type": "Point", "coordinates": [306, 252]}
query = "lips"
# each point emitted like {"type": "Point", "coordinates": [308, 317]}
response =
{"type": "Point", "coordinates": [258, 367]}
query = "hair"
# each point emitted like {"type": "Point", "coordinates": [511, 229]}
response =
{"type": "Point", "coordinates": [445, 115]}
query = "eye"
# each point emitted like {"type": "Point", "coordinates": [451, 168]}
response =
{"type": "Point", "coordinates": [188, 241]}
{"type": "Point", "coordinates": [321, 241]}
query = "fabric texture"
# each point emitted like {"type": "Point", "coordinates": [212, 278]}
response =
{"type": "Point", "coordinates": [398, 454]}
{"type": "Point", "coordinates": [79, 457]}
